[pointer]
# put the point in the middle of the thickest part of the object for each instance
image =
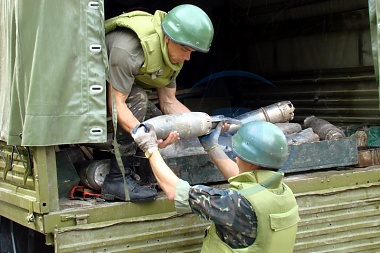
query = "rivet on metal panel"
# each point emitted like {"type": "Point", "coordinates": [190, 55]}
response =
{"type": "Point", "coordinates": [30, 218]}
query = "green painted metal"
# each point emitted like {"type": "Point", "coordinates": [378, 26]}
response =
{"type": "Point", "coordinates": [45, 106]}
{"type": "Point", "coordinates": [322, 154]}
{"type": "Point", "coordinates": [21, 202]}
{"type": "Point", "coordinates": [67, 175]}
{"type": "Point", "coordinates": [373, 134]}
{"type": "Point", "coordinates": [45, 176]}
{"type": "Point", "coordinates": [106, 213]}
{"type": "Point", "coordinates": [339, 212]}
{"type": "Point", "coordinates": [157, 233]}
{"type": "Point", "coordinates": [374, 15]}
{"type": "Point", "coordinates": [340, 221]}
{"type": "Point", "coordinates": [16, 163]}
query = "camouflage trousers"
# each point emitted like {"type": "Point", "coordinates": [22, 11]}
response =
{"type": "Point", "coordinates": [142, 109]}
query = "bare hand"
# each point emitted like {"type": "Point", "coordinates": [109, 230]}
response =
{"type": "Point", "coordinates": [172, 138]}
{"type": "Point", "coordinates": [225, 127]}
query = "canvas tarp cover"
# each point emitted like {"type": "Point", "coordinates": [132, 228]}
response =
{"type": "Point", "coordinates": [52, 72]}
{"type": "Point", "coordinates": [374, 16]}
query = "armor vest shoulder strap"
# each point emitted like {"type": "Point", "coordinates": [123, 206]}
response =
{"type": "Point", "coordinates": [130, 20]}
{"type": "Point", "coordinates": [154, 72]}
{"type": "Point", "coordinates": [141, 23]}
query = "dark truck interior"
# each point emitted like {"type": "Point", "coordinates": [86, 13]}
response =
{"type": "Point", "coordinates": [317, 54]}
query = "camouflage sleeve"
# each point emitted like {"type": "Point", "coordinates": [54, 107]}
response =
{"type": "Point", "coordinates": [181, 198]}
{"type": "Point", "coordinates": [223, 207]}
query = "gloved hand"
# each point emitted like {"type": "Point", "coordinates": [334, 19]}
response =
{"type": "Point", "coordinates": [144, 136]}
{"type": "Point", "coordinates": [210, 141]}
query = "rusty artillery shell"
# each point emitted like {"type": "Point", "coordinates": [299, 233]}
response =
{"type": "Point", "coordinates": [324, 129]}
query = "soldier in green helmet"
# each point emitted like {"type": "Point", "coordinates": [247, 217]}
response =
{"type": "Point", "coordinates": [147, 52]}
{"type": "Point", "coordinates": [258, 213]}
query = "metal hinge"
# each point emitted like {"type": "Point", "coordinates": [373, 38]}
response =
{"type": "Point", "coordinates": [80, 219]}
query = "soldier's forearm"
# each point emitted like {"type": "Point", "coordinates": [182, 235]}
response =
{"type": "Point", "coordinates": [164, 175]}
{"type": "Point", "coordinates": [227, 167]}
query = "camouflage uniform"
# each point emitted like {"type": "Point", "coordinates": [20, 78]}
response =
{"type": "Point", "coordinates": [141, 108]}
{"type": "Point", "coordinates": [233, 215]}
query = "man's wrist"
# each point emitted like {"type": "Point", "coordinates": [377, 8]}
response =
{"type": "Point", "coordinates": [211, 148]}
{"type": "Point", "coordinates": [149, 151]}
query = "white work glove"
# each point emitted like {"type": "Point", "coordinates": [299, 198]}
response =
{"type": "Point", "coordinates": [145, 137]}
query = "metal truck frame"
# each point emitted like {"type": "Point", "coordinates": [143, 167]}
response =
{"type": "Point", "coordinates": [50, 48]}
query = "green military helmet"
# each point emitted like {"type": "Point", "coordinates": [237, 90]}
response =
{"type": "Point", "coordinates": [261, 143]}
{"type": "Point", "coordinates": [189, 25]}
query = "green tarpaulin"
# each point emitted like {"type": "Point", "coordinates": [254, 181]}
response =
{"type": "Point", "coordinates": [374, 17]}
{"type": "Point", "coordinates": [53, 63]}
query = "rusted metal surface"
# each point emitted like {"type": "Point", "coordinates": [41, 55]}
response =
{"type": "Point", "coordinates": [369, 157]}
{"type": "Point", "coordinates": [362, 138]}
{"type": "Point", "coordinates": [324, 129]}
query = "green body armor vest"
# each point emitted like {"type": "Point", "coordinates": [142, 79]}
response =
{"type": "Point", "coordinates": [157, 70]}
{"type": "Point", "coordinates": [276, 210]}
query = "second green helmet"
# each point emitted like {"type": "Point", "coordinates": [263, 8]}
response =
{"type": "Point", "coordinates": [261, 143]}
{"type": "Point", "coordinates": [189, 25]}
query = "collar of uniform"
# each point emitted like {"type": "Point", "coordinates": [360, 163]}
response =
{"type": "Point", "coordinates": [266, 178]}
